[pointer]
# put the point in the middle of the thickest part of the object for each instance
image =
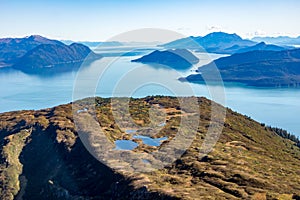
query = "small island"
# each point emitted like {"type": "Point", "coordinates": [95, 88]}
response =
{"type": "Point", "coordinates": [174, 58]}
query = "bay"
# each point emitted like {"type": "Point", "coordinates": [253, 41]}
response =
{"type": "Point", "coordinates": [118, 76]}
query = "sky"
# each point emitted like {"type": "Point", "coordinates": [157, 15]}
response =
{"type": "Point", "coordinates": [99, 20]}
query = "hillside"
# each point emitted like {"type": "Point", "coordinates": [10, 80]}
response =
{"type": "Point", "coordinates": [42, 156]}
{"type": "Point", "coordinates": [256, 68]}
{"type": "Point", "coordinates": [53, 56]}
{"type": "Point", "coordinates": [216, 42]}
{"type": "Point", "coordinates": [175, 58]}
{"type": "Point", "coordinates": [11, 49]}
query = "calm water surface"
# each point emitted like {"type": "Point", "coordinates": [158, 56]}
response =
{"type": "Point", "coordinates": [277, 106]}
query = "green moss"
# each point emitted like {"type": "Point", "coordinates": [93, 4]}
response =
{"type": "Point", "coordinates": [11, 169]}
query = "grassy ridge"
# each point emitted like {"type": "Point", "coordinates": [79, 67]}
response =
{"type": "Point", "coordinates": [42, 147]}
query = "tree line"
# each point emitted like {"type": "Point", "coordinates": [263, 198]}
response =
{"type": "Point", "coordinates": [283, 133]}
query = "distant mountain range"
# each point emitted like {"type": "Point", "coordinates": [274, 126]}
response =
{"type": "Point", "coordinates": [35, 53]}
{"type": "Point", "coordinates": [216, 42]}
{"type": "Point", "coordinates": [223, 43]}
{"type": "Point", "coordinates": [94, 44]}
{"type": "Point", "coordinates": [261, 47]}
{"type": "Point", "coordinates": [281, 40]}
{"type": "Point", "coordinates": [256, 68]}
{"type": "Point", "coordinates": [177, 58]}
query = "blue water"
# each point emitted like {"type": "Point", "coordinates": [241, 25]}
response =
{"type": "Point", "coordinates": [150, 141]}
{"type": "Point", "coordinates": [277, 106]}
{"type": "Point", "coordinates": [130, 145]}
{"type": "Point", "coordinates": [125, 145]}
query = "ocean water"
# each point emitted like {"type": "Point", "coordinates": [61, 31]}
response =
{"type": "Point", "coordinates": [118, 76]}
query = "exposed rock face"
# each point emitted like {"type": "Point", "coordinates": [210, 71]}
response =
{"type": "Point", "coordinates": [42, 157]}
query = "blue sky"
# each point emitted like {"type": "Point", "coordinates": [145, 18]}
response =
{"type": "Point", "coordinates": [99, 20]}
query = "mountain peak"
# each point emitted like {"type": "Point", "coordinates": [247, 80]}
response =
{"type": "Point", "coordinates": [37, 38]}
{"type": "Point", "coordinates": [261, 44]}
{"type": "Point", "coordinates": [215, 42]}
{"type": "Point", "coordinates": [34, 36]}
{"type": "Point", "coordinates": [222, 35]}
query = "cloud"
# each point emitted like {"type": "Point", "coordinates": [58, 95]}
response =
{"type": "Point", "coordinates": [259, 33]}
{"type": "Point", "coordinates": [214, 28]}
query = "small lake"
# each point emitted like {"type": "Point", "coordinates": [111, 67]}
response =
{"type": "Point", "coordinates": [130, 145]}
{"type": "Point", "coordinates": [150, 141]}
{"type": "Point", "coordinates": [125, 145]}
{"type": "Point", "coordinates": [274, 106]}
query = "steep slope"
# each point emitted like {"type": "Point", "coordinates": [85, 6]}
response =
{"type": "Point", "coordinates": [175, 58]}
{"type": "Point", "coordinates": [47, 56]}
{"type": "Point", "coordinates": [256, 68]}
{"type": "Point", "coordinates": [216, 42]}
{"type": "Point", "coordinates": [42, 157]}
{"type": "Point", "coordinates": [11, 49]}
